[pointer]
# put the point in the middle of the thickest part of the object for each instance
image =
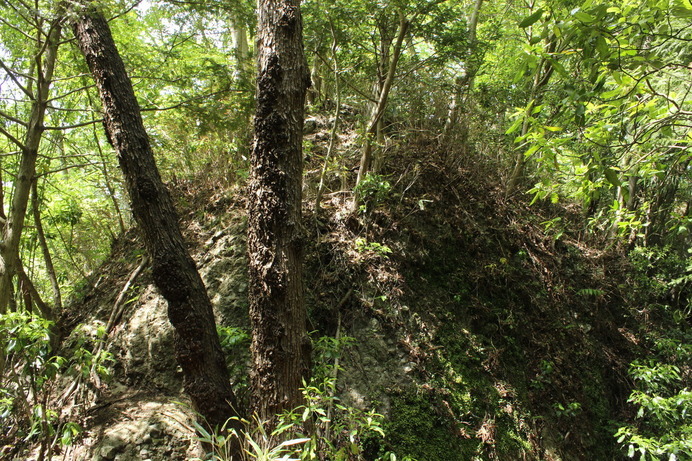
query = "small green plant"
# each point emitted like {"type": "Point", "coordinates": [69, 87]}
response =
{"type": "Point", "coordinates": [321, 429]}
{"type": "Point", "coordinates": [363, 246]}
{"type": "Point", "coordinates": [89, 357]}
{"type": "Point", "coordinates": [235, 343]}
{"type": "Point", "coordinates": [568, 410]}
{"type": "Point", "coordinates": [254, 441]}
{"type": "Point", "coordinates": [30, 375]}
{"type": "Point", "coordinates": [554, 228]}
{"type": "Point", "coordinates": [590, 292]}
{"type": "Point", "coordinates": [372, 191]}
{"type": "Point", "coordinates": [546, 368]}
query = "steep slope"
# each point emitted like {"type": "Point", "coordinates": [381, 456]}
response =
{"type": "Point", "coordinates": [486, 337]}
{"type": "Point", "coordinates": [477, 334]}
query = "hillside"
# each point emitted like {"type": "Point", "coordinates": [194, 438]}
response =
{"type": "Point", "coordinates": [476, 333]}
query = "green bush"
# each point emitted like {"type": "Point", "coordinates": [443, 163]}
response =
{"type": "Point", "coordinates": [663, 429]}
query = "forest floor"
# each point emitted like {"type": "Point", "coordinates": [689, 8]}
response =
{"type": "Point", "coordinates": [481, 331]}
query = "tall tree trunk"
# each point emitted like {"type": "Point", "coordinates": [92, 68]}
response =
{"type": "Point", "coordinates": [465, 83]}
{"type": "Point", "coordinates": [378, 112]}
{"type": "Point", "coordinates": [280, 347]}
{"type": "Point", "coordinates": [44, 62]}
{"type": "Point", "coordinates": [197, 346]}
{"type": "Point", "coordinates": [43, 243]}
{"type": "Point", "coordinates": [9, 249]}
{"type": "Point", "coordinates": [241, 50]}
{"type": "Point", "coordinates": [335, 126]}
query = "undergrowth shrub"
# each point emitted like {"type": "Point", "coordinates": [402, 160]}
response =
{"type": "Point", "coordinates": [322, 429]}
{"type": "Point", "coordinates": [28, 411]}
{"type": "Point", "coordinates": [372, 191]}
{"type": "Point", "coordinates": [663, 429]}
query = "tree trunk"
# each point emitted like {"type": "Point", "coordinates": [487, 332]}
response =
{"type": "Point", "coordinates": [241, 51]}
{"type": "Point", "coordinates": [280, 347]}
{"type": "Point", "coordinates": [44, 60]}
{"type": "Point", "coordinates": [371, 131]}
{"type": "Point", "coordinates": [43, 243]}
{"type": "Point", "coordinates": [464, 83]}
{"type": "Point", "coordinates": [197, 346]}
{"type": "Point", "coordinates": [335, 126]}
{"type": "Point", "coordinates": [9, 249]}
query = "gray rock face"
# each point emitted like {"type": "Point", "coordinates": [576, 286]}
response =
{"type": "Point", "coordinates": [160, 431]}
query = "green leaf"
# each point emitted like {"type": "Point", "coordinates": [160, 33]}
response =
{"type": "Point", "coordinates": [515, 126]}
{"type": "Point", "coordinates": [584, 17]}
{"type": "Point", "coordinates": [682, 9]}
{"type": "Point", "coordinates": [612, 177]}
{"type": "Point", "coordinates": [532, 19]}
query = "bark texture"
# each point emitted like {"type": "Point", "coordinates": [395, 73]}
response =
{"type": "Point", "coordinates": [280, 348]}
{"type": "Point", "coordinates": [197, 344]}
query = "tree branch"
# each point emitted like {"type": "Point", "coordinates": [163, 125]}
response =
{"type": "Point", "coordinates": [76, 125]}
{"type": "Point", "coordinates": [12, 75]}
{"type": "Point", "coordinates": [13, 119]}
{"type": "Point", "coordinates": [14, 140]}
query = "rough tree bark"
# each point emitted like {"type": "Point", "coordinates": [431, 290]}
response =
{"type": "Point", "coordinates": [197, 346]}
{"type": "Point", "coordinates": [280, 347]}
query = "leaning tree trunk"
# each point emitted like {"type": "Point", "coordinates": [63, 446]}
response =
{"type": "Point", "coordinates": [280, 347]}
{"type": "Point", "coordinates": [197, 346]}
{"type": "Point", "coordinates": [464, 84]}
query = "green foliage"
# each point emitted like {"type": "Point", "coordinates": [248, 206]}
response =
{"type": "Point", "coordinates": [89, 357]}
{"type": "Point", "coordinates": [235, 343]}
{"type": "Point", "coordinates": [605, 114]}
{"type": "Point", "coordinates": [232, 337]}
{"type": "Point", "coordinates": [31, 372]}
{"type": "Point", "coordinates": [372, 191]}
{"type": "Point", "coordinates": [363, 246]}
{"type": "Point", "coordinates": [664, 427]}
{"type": "Point", "coordinates": [257, 444]}
{"type": "Point", "coordinates": [567, 410]}
{"type": "Point", "coordinates": [661, 428]}
{"type": "Point", "coordinates": [323, 428]}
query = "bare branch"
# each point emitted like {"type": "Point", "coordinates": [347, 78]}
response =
{"type": "Point", "coordinates": [68, 167]}
{"type": "Point", "coordinates": [12, 75]}
{"type": "Point", "coordinates": [12, 138]}
{"type": "Point", "coordinates": [76, 125]}
{"type": "Point", "coordinates": [13, 119]}
{"type": "Point", "coordinates": [64, 95]}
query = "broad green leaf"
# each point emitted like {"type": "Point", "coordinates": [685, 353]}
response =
{"type": "Point", "coordinates": [532, 19]}
{"type": "Point", "coordinates": [612, 177]}
{"type": "Point", "coordinates": [584, 17]}
{"type": "Point", "coordinates": [681, 8]}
